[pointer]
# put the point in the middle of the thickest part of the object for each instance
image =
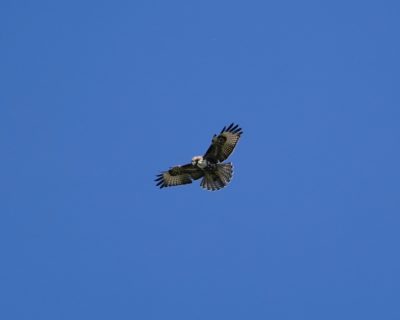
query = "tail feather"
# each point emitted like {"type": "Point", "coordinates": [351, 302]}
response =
{"type": "Point", "coordinates": [225, 173]}
{"type": "Point", "coordinates": [218, 178]}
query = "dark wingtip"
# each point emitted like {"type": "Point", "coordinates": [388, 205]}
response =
{"type": "Point", "coordinates": [160, 180]}
{"type": "Point", "coordinates": [234, 128]}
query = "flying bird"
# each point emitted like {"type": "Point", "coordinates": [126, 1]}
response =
{"type": "Point", "coordinates": [210, 166]}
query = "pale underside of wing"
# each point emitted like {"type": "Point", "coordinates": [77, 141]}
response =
{"type": "Point", "coordinates": [178, 175]}
{"type": "Point", "coordinates": [223, 145]}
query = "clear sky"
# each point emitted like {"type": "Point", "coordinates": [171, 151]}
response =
{"type": "Point", "coordinates": [97, 97]}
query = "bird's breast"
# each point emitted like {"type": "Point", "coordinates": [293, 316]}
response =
{"type": "Point", "coordinates": [202, 164]}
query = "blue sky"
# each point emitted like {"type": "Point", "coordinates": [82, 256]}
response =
{"type": "Point", "coordinates": [98, 97]}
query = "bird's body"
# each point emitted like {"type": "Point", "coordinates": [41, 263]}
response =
{"type": "Point", "coordinates": [215, 174]}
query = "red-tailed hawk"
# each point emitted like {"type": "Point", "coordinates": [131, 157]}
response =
{"type": "Point", "coordinates": [215, 174]}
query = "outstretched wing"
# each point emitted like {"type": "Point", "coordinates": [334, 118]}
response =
{"type": "Point", "coordinates": [178, 175]}
{"type": "Point", "coordinates": [223, 144]}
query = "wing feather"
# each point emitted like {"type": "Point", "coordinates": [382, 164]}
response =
{"type": "Point", "coordinates": [222, 145]}
{"type": "Point", "coordinates": [178, 175]}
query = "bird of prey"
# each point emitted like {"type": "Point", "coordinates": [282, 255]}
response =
{"type": "Point", "coordinates": [210, 166]}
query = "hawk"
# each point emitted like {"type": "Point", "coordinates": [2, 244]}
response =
{"type": "Point", "coordinates": [210, 166]}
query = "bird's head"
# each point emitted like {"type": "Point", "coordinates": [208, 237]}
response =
{"type": "Point", "coordinates": [196, 160]}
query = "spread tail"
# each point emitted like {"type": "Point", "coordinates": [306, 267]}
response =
{"type": "Point", "coordinates": [217, 178]}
